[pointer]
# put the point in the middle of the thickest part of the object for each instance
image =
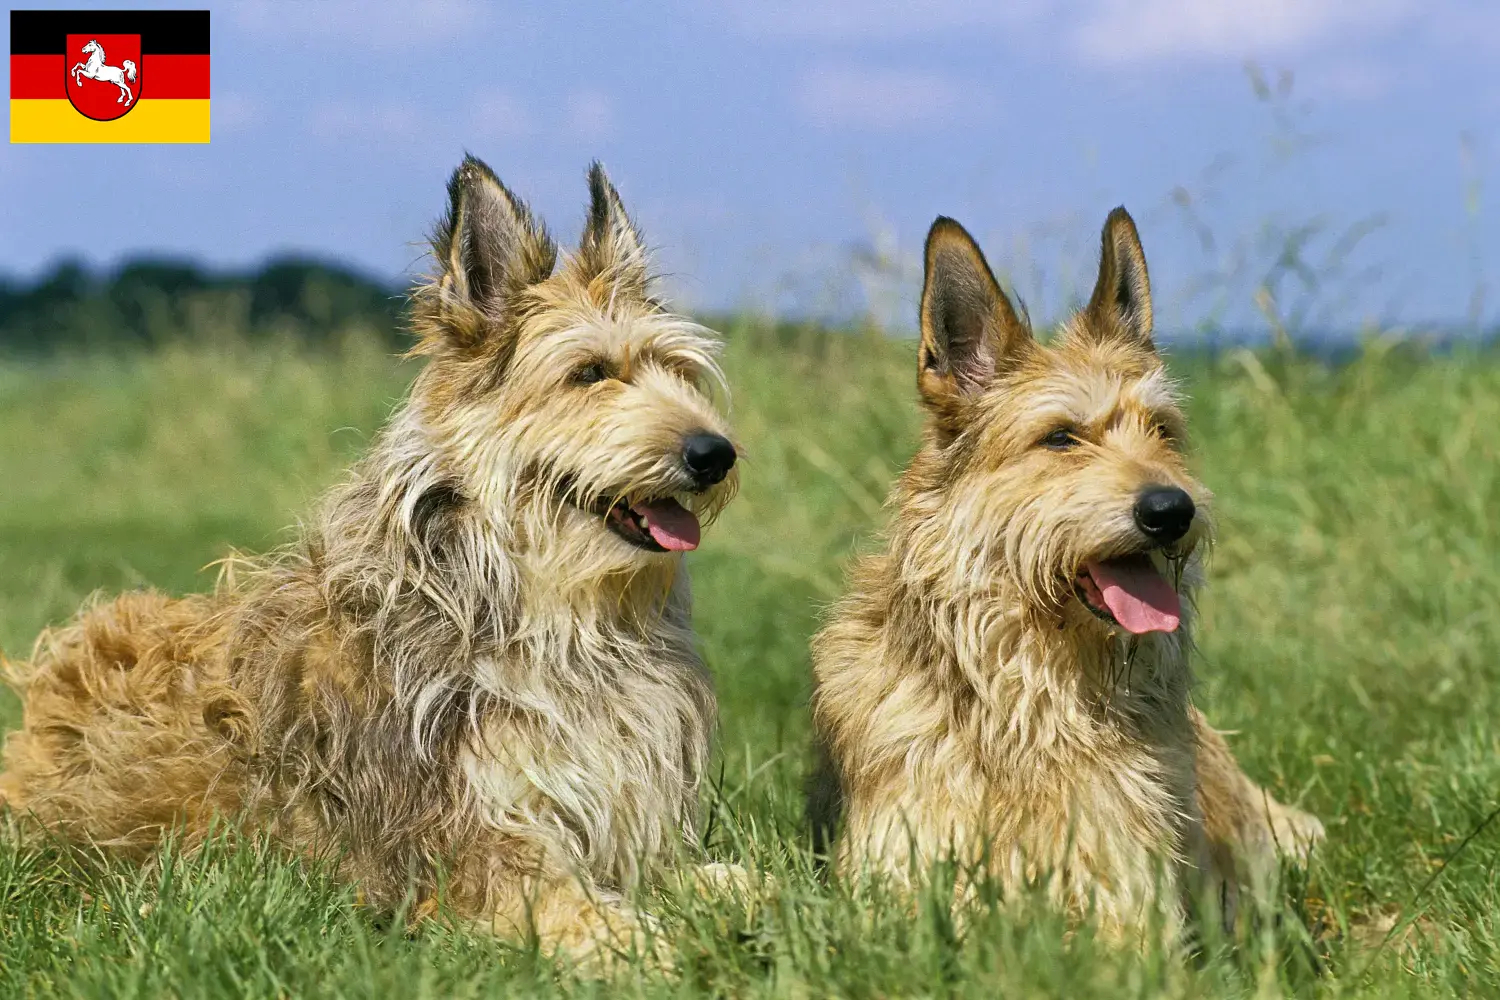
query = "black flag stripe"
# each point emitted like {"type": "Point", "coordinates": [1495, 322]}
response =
{"type": "Point", "coordinates": [163, 32]}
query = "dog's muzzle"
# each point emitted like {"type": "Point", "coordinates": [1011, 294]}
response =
{"type": "Point", "coordinates": [1163, 513]}
{"type": "Point", "coordinates": [707, 457]}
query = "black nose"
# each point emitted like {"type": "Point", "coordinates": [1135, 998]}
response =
{"type": "Point", "coordinates": [709, 457]}
{"type": "Point", "coordinates": [1164, 513]}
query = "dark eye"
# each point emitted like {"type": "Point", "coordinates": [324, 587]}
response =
{"type": "Point", "coordinates": [590, 373]}
{"type": "Point", "coordinates": [1060, 440]}
{"type": "Point", "coordinates": [1162, 431]}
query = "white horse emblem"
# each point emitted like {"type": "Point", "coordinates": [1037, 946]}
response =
{"type": "Point", "coordinates": [95, 69]}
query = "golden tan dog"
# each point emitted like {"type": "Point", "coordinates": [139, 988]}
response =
{"type": "Point", "coordinates": [1009, 679]}
{"type": "Point", "coordinates": [476, 667]}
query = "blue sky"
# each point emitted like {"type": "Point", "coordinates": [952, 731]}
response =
{"type": "Point", "coordinates": [790, 154]}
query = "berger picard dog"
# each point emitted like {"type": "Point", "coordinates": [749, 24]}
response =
{"type": "Point", "coordinates": [1009, 679]}
{"type": "Point", "coordinates": [476, 668]}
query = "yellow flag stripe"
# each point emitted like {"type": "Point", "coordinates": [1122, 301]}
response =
{"type": "Point", "coordinates": [151, 121]}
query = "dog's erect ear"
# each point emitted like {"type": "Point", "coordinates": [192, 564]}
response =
{"type": "Point", "coordinates": [969, 328]}
{"type": "Point", "coordinates": [488, 248]}
{"type": "Point", "coordinates": [611, 245]}
{"type": "Point", "coordinates": [1121, 304]}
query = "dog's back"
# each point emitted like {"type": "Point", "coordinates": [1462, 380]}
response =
{"type": "Point", "coordinates": [131, 723]}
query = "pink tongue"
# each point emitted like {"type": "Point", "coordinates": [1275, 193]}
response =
{"type": "Point", "coordinates": [1137, 595]}
{"type": "Point", "coordinates": [672, 525]}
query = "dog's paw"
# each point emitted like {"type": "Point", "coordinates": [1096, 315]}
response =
{"type": "Point", "coordinates": [1295, 832]}
{"type": "Point", "coordinates": [723, 878]}
{"type": "Point", "coordinates": [615, 939]}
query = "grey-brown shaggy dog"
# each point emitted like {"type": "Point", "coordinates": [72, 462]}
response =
{"type": "Point", "coordinates": [1009, 679]}
{"type": "Point", "coordinates": [476, 667]}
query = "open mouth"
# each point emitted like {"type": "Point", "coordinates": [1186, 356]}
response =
{"type": "Point", "coordinates": [662, 525]}
{"type": "Point", "coordinates": [1130, 592]}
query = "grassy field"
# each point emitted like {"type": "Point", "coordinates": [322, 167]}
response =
{"type": "Point", "coordinates": [1351, 634]}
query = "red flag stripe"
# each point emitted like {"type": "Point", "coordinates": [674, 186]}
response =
{"type": "Point", "coordinates": [162, 76]}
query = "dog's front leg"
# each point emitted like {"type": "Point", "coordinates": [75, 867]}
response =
{"type": "Point", "coordinates": [1241, 817]}
{"type": "Point", "coordinates": [569, 918]}
{"type": "Point", "coordinates": [1210, 886]}
{"type": "Point", "coordinates": [725, 879]}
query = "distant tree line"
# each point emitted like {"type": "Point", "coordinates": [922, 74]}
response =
{"type": "Point", "coordinates": [152, 302]}
{"type": "Point", "coordinates": [147, 303]}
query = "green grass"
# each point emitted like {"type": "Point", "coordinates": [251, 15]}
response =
{"type": "Point", "coordinates": [1351, 634]}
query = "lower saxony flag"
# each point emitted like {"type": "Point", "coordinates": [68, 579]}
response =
{"type": "Point", "coordinates": [109, 76]}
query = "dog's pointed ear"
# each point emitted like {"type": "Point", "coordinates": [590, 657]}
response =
{"type": "Point", "coordinates": [488, 248]}
{"type": "Point", "coordinates": [970, 330]}
{"type": "Point", "coordinates": [611, 246]}
{"type": "Point", "coordinates": [1121, 303]}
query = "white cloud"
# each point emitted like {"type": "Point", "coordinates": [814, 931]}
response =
{"type": "Point", "coordinates": [388, 119]}
{"type": "Point", "coordinates": [1127, 31]}
{"type": "Point", "coordinates": [586, 114]}
{"type": "Point", "coordinates": [1350, 81]}
{"type": "Point", "coordinates": [878, 98]}
{"type": "Point", "coordinates": [1468, 24]}
{"type": "Point", "coordinates": [590, 114]}
{"type": "Point", "coordinates": [1110, 32]}
{"type": "Point", "coordinates": [489, 114]}
{"type": "Point", "coordinates": [497, 113]}
{"type": "Point", "coordinates": [234, 112]}
{"type": "Point", "coordinates": [381, 24]}
{"type": "Point", "coordinates": [859, 20]}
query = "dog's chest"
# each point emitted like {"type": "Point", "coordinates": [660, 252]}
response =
{"type": "Point", "coordinates": [1118, 756]}
{"type": "Point", "coordinates": [600, 764]}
